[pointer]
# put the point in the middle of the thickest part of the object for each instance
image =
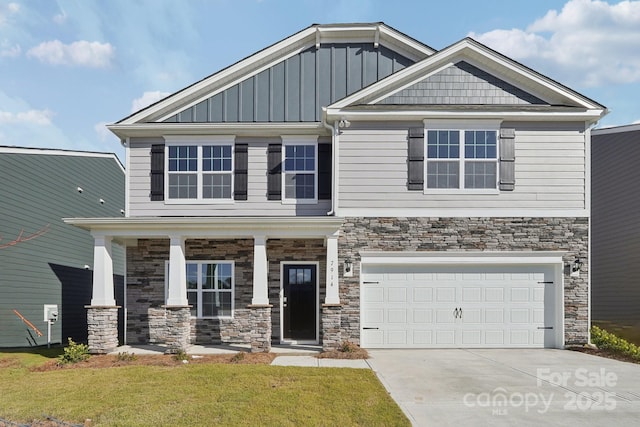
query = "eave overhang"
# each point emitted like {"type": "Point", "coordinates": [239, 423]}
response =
{"type": "Point", "coordinates": [124, 131]}
{"type": "Point", "coordinates": [209, 227]}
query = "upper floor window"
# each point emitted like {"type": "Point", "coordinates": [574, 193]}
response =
{"type": "Point", "coordinates": [300, 171]}
{"type": "Point", "coordinates": [462, 159]}
{"type": "Point", "coordinates": [200, 172]}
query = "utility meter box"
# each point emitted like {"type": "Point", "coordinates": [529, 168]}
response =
{"type": "Point", "coordinates": [50, 312]}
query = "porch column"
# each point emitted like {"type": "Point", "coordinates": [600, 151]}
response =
{"type": "Point", "coordinates": [102, 314]}
{"type": "Point", "coordinates": [178, 320]}
{"type": "Point", "coordinates": [102, 273]}
{"type": "Point", "coordinates": [177, 294]}
{"type": "Point", "coordinates": [260, 271]}
{"type": "Point", "coordinates": [332, 295]}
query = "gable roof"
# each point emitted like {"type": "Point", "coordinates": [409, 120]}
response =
{"type": "Point", "coordinates": [512, 78]}
{"type": "Point", "coordinates": [314, 35]}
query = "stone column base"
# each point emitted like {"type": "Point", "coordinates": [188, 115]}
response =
{"type": "Point", "coordinates": [178, 328]}
{"type": "Point", "coordinates": [331, 323]}
{"type": "Point", "coordinates": [260, 321]}
{"type": "Point", "coordinates": [102, 328]}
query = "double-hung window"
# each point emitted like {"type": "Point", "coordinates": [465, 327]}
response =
{"type": "Point", "coordinates": [210, 288]}
{"type": "Point", "coordinates": [300, 171]}
{"type": "Point", "coordinates": [200, 172]}
{"type": "Point", "coordinates": [461, 159]}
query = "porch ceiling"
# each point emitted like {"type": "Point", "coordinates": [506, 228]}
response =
{"type": "Point", "coordinates": [209, 227]}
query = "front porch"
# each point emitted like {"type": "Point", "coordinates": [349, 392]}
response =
{"type": "Point", "coordinates": [215, 281]}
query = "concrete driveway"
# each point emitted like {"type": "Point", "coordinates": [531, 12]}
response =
{"type": "Point", "coordinates": [509, 387]}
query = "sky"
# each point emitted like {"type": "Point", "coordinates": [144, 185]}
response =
{"type": "Point", "coordinates": [69, 67]}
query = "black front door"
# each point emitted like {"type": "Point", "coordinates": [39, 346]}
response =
{"type": "Point", "coordinates": [299, 311]}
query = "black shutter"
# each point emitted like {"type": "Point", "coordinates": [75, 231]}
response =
{"type": "Point", "coordinates": [507, 159]}
{"type": "Point", "coordinates": [241, 165]}
{"type": "Point", "coordinates": [416, 159]}
{"type": "Point", "coordinates": [324, 171]}
{"type": "Point", "coordinates": [274, 172]}
{"type": "Point", "coordinates": [157, 172]}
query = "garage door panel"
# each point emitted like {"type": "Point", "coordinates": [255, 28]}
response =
{"type": "Point", "coordinates": [457, 306]}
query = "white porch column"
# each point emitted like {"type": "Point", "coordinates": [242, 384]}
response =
{"type": "Point", "coordinates": [177, 295]}
{"type": "Point", "coordinates": [332, 292]}
{"type": "Point", "coordinates": [260, 271]}
{"type": "Point", "coordinates": [102, 273]}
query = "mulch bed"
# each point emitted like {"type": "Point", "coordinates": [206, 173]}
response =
{"type": "Point", "coordinates": [112, 361]}
{"type": "Point", "coordinates": [605, 353]}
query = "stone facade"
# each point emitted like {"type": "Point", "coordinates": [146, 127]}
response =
{"type": "Point", "coordinates": [331, 330]}
{"type": "Point", "coordinates": [260, 324]}
{"type": "Point", "coordinates": [468, 234]}
{"type": "Point", "coordinates": [178, 329]}
{"type": "Point", "coordinates": [102, 323]}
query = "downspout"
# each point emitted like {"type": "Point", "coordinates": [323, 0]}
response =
{"type": "Point", "coordinates": [334, 161]}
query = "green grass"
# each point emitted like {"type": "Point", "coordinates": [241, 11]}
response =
{"type": "Point", "coordinates": [194, 395]}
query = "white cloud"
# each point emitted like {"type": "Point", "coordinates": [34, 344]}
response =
{"type": "Point", "coordinates": [9, 51]}
{"type": "Point", "coordinates": [594, 40]}
{"type": "Point", "coordinates": [8, 10]}
{"type": "Point", "coordinates": [147, 99]}
{"type": "Point", "coordinates": [33, 117]}
{"type": "Point", "coordinates": [13, 7]}
{"type": "Point", "coordinates": [82, 53]}
{"type": "Point", "coordinates": [102, 131]}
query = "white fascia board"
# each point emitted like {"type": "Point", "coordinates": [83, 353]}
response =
{"type": "Point", "coordinates": [54, 152]}
{"type": "Point", "coordinates": [391, 114]}
{"type": "Point", "coordinates": [240, 128]}
{"type": "Point", "coordinates": [461, 213]}
{"type": "Point", "coordinates": [466, 257]}
{"type": "Point", "coordinates": [443, 58]}
{"type": "Point", "coordinates": [205, 84]}
{"type": "Point", "coordinates": [209, 227]}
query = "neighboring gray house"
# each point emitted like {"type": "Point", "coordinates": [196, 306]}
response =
{"type": "Point", "coordinates": [615, 228]}
{"type": "Point", "coordinates": [350, 183]}
{"type": "Point", "coordinates": [42, 259]}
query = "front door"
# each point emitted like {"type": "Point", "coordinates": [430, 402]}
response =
{"type": "Point", "coordinates": [299, 302]}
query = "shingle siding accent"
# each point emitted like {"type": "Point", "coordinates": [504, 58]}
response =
{"type": "Point", "coordinates": [462, 84]}
{"type": "Point", "coordinates": [468, 234]}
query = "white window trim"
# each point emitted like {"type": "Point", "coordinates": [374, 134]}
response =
{"type": "Point", "coordinates": [199, 308]}
{"type": "Point", "coordinates": [462, 127]}
{"type": "Point", "coordinates": [199, 142]}
{"type": "Point", "coordinates": [299, 140]}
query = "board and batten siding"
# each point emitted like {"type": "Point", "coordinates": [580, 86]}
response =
{"type": "Point", "coordinates": [549, 171]}
{"type": "Point", "coordinates": [140, 203]}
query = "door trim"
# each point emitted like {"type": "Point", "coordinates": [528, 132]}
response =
{"type": "Point", "coordinates": [281, 301]}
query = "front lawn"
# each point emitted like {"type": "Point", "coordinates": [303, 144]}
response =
{"type": "Point", "coordinates": [201, 394]}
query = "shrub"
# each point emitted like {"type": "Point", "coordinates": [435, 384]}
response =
{"type": "Point", "coordinates": [74, 353]}
{"type": "Point", "coordinates": [238, 357]}
{"type": "Point", "coordinates": [126, 357]}
{"type": "Point", "coordinates": [608, 341]}
{"type": "Point", "coordinates": [181, 355]}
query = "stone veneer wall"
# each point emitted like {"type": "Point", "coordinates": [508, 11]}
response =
{"type": "Point", "coordinates": [145, 286]}
{"type": "Point", "coordinates": [283, 250]}
{"type": "Point", "coordinates": [468, 234]}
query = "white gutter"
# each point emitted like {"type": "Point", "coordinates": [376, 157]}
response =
{"type": "Point", "coordinates": [334, 160]}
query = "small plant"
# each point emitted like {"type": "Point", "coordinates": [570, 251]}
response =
{"type": "Point", "coordinates": [238, 357]}
{"type": "Point", "coordinates": [348, 347]}
{"type": "Point", "coordinates": [608, 341]}
{"type": "Point", "coordinates": [74, 353]}
{"type": "Point", "coordinates": [181, 355]}
{"type": "Point", "coordinates": [126, 357]}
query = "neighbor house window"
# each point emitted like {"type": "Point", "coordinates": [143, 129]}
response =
{"type": "Point", "coordinates": [300, 172]}
{"type": "Point", "coordinates": [200, 172]}
{"type": "Point", "coordinates": [462, 159]}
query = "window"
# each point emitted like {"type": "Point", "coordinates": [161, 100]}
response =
{"type": "Point", "coordinates": [210, 288]}
{"type": "Point", "coordinates": [300, 172]}
{"type": "Point", "coordinates": [200, 172]}
{"type": "Point", "coordinates": [462, 159]}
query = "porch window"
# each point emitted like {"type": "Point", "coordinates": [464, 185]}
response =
{"type": "Point", "coordinates": [210, 288]}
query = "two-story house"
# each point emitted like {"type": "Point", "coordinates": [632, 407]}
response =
{"type": "Point", "coordinates": [350, 183]}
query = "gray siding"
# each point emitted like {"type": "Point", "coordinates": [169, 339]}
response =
{"type": "Point", "coordinates": [140, 203]}
{"type": "Point", "coordinates": [549, 170]}
{"type": "Point", "coordinates": [616, 229]}
{"type": "Point", "coordinates": [462, 84]}
{"type": "Point", "coordinates": [296, 89]}
{"type": "Point", "coordinates": [39, 190]}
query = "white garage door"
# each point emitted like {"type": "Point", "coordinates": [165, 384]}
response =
{"type": "Point", "coordinates": [458, 306]}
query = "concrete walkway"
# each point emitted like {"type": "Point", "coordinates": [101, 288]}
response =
{"type": "Point", "coordinates": [311, 361]}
